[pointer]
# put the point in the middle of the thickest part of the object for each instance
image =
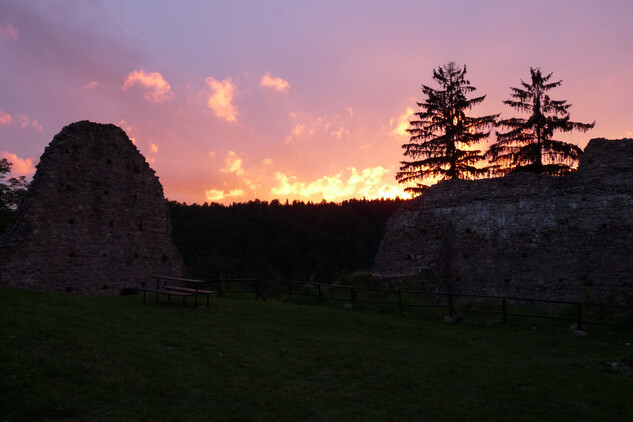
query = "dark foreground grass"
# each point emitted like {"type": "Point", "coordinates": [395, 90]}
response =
{"type": "Point", "coordinates": [69, 358]}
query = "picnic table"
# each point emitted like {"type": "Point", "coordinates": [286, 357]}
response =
{"type": "Point", "coordinates": [178, 287]}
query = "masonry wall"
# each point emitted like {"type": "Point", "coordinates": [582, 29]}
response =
{"type": "Point", "coordinates": [525, 235]}
{"type": "Point", "coordinates": [95, 220]}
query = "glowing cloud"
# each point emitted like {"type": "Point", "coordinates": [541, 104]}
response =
{"type": "Point", "coordinates": [5, 119]}
{"type": "Point", "coordinates": [215, 195]}
{"type": "Point", "coordinates": [370, 183]}
{"type": "Point", "coordinates": [21, 166]}
{"type": "Point", "coordinates": [400, 124]}
{"type": "Point", "coordinates": [221, 99]}
{"type": "Point", "coordinates": [153, 148]}
{"type": "Point", "coordinates": [127, 128]}
{"type": "Point", "coordinates": [158, 90]}
{"type": "Point", "coordinates": [9, 32]}
{"type": "Point", "coordinates": [233, 164]}
{"type": "Point", "coordinates": [275, 83]}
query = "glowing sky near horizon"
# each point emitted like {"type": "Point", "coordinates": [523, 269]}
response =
{"type": "Point", "coordinates": [231, 101]}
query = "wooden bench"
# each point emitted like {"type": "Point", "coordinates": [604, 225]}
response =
{"type": "Point", "coordinates": [191, 291]}
{"type": "Point", "coordinates": [167, 292]}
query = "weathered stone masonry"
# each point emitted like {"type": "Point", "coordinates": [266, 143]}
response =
{"type": "Point", "coordinates": [95, 220]}
{"type": "Point", "coordinates": [567, 238]}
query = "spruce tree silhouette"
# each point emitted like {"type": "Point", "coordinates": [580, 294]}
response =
{"type": "Point", "coordinates": [443, 136]}
{"type": "Point", "coordinates": [529, 145]}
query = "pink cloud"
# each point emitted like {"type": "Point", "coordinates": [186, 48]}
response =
{"type": "Point", "coordinates": [275, 83]}
{"type": "Point", "coordinates": [127, 128]}
{"type": "Point", "coordinates": [158, 90]}
{"type": "Point", "coordinates": [27, 122]}
{"type": "Point", "coordinates": [221, 99]}
{"type": "Point", "coordinates": [21, 166]}
{"type": "Point", "coordinates": [9, 32]}
{"type": "Point", "coordinates": [5, 118]}
{"type": "Point", "coordinates": [90, 85]}
{"type": "Point", "coordinates": [37, 126]}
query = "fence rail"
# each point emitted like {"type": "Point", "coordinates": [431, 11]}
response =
{"type": "Point", "coordinates": [245, 285]}
{"type": "Point", "coordinates": [407, 299]}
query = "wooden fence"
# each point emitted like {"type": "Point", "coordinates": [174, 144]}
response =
{"type": "Point", "coordinates": [454, 302]}
{"type": "Point", "coordinates": [238, 285]}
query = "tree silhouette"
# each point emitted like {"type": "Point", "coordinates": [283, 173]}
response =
{"type": "Point", "coordinates": [443, 137]}
{"type": "Point", "coordinates": [529, 144]}
{"type": "Point", "coordinates": [12, 190]}
{"type": "Point", "coordinates": [11, 193]}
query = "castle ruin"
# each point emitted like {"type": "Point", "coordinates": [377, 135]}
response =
{"type": "Point", "coordinates": [94, 221]}
{"type": "Point", "coordinates": [523, 235]}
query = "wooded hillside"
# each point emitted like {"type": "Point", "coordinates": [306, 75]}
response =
{"type": "Point", "coordinates": [271, 240]}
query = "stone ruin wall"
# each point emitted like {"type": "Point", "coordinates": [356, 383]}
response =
{"type": "Point", "coordinates": [524, 235]}
{"type": "Point", "coordinates": [94, 221]}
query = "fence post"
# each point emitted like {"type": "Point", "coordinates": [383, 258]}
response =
{"type": "Point", "coordinates": [352, 295]}
{"type": "Point", "coordinates": [220, 287]}
{"type": "Point", "coordinates": [258, 290]}
{"type": "Point", "coordinates": [450, 305]}
{"type": "Point", "coordinates": [400, 301]}
{"type": "Point", "coordinates": [321, 300]}
{"type": "Point", "coordinates": [504, 311]}
{"type": "Point", "coordinates": [289, 290]}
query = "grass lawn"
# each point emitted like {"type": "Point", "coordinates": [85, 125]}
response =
{"type": "Point", "coordinates": [71, 358]}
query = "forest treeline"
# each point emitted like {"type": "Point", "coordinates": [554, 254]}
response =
{"type": "Point", "coordinates": [273, 240]}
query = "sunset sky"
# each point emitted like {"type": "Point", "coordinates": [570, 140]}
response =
{"type": "Point", "coordinates": [233, 100]}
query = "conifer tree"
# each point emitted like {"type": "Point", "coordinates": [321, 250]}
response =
{"type": "Point", "coordinates": [443, 136]}
{"type": "Point", "coordinates": [529, 145]}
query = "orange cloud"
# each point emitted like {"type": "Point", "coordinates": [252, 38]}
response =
{"type": "Point", "coordinates": [400, 124]}
{"type": "Point", "coordinates": [5, 119]}
{"type": "Point", "coordinates": [158, 90]}
{"type": "Point", "coordinates": [215, 195]}
{"type": "Point", "coordinates": [153, 148]}
{"type": "Point", "coordinates": [370, 183]}
{"type": "Point", "coordinates": [21, 166]}
{"type": "Point", "coordinates": [233, 164]}
{"type": "Point", "coordinates": [221, 99]}
{"type": "Point", "coordinates": [275, 83]}
{"type": "Point", "coordinates": [127, 128]}
{"type": "Point", "coordinates": [9, 32]}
